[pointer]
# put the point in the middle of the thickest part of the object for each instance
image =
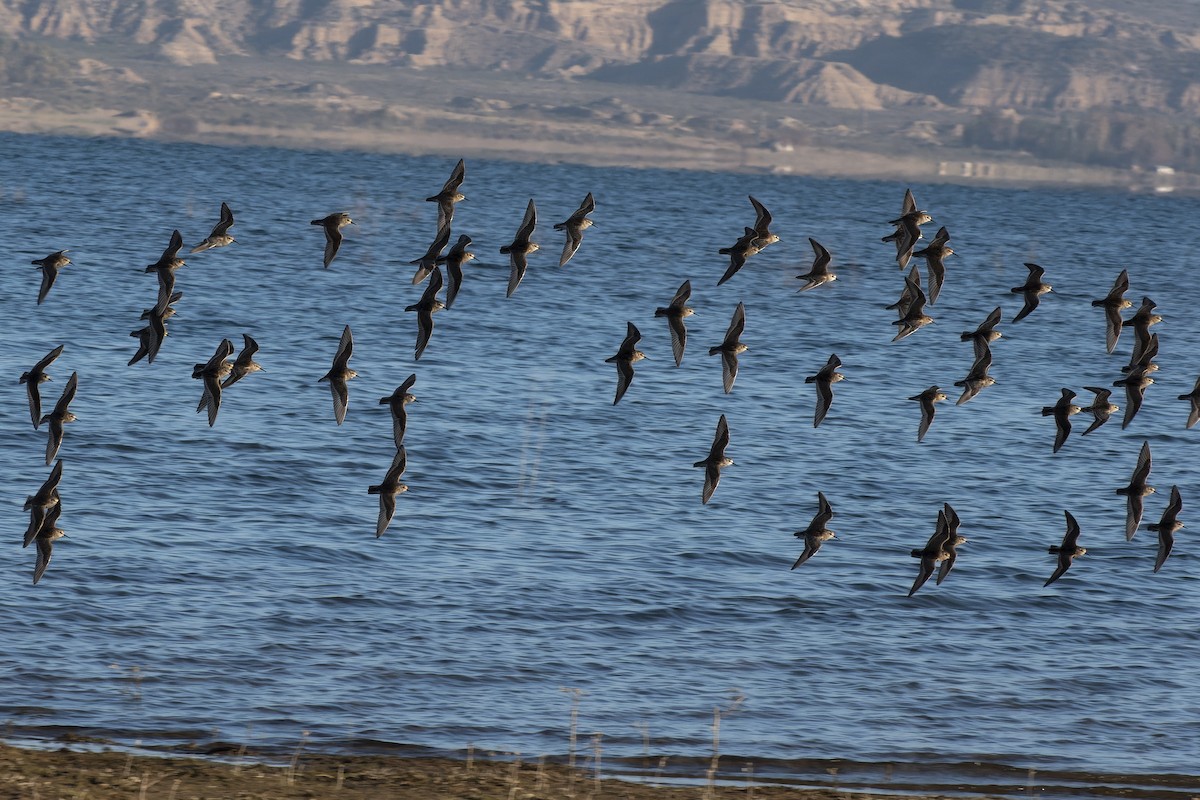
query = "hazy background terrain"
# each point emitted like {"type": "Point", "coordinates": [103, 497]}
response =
{"type": "Point", "coordinates": [1098, 91]}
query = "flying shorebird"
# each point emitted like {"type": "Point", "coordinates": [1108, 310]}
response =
{"type": "Point", "coordinates": [950, 542]}
{"type": "Point", "coordinates": [1193, 397]}
{"type": "Point", "coordinates": [1066, 551]}
{"type": "Point", "coordinates": [927, 399]}
{"type": "Point", "coordinates": [731, 347]}
{"type": "Point", "coordinates": [908, 231]}
{"type": "Point", "coordinates": [1100, 409]}
{"type": "Point", "coordinates": [1166, 527]}
{"type": "Point", "coordinates": [907, 294]}
{"type": "Point", "coordinates": [45, 537]}
{"type": "Point", "coordinates": [388, 488]}
{"type": "Point", "coordinates": [454, 260]}
{"type": "Point", "coordinates": [1062, 411]}
{"type": "Point", "coordinates": [935, 254]}
{"type": "Point", "coordinates": [1113, 303]}
{"type": "Point", "coordinates": [59, 417]}
{"type": "Point", "coordinates": [820, 273]}
{"type": "Point", "coordinates": [220, 232]}
{"type": "Point", "coordinates": [982, 337]}
{"type": "Point", "coordinates": [50, 266]}
{"type": "Point", "coordinates": [47, 494]}
{"type": "Point", "coordinates": [574, 226]}
{"type": "Point", "coordinates": [898, 236]}
{"type": "Point", "coordinates": [824, 379]}
{"type": "Point", "coordinates": [978, 378]}
{"type": "Point", "coordinates": [625, 358]}
{"type": "Point", "coordinates": [1033, 289]}
{"type": "Point", "coordinates": [519, 249]}
{"type": "Point", "coordinates": [339, 373]}
{"type": "Point", "coordinates": [932, 553]}
{"type": "Point", "coordinates": [449, 195]}
{"type": "Point", "coordinates": [33, 380]}
{"type": "Point", "coordinates": [676, 313]}
{"type": "Point", "coordinates": [425, 307]}
{"type": "Point", "coordinates": [914, 317]}
{"type": "Point", "coordinates": [168, 263]}
{"type": "Point", "coordinates": [244, 364]}
{"type": "Point", "coordinates": [332, 225]}
{"type": "Point", "coordinates": [816, 533]}
{"type": "Point", "coordinates": [215, 370]}
{"type": "Point", "coordinates": [716, 461]}
{"type": "Point", "coordinates": [752, 242]}
{"type": "Point", "coordinates": [396, 401]}
{"type": "Point", "coordinates": [1136, 491]}
{"type": "Point", "coordinates": [433, 256]}
{"type": "Point", "coordinates": [1137, 379]}
{"type": "Point", "coordinates": [1141, 321]}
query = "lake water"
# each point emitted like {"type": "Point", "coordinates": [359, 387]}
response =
{"type": "Point", "coordinates": [225, 583]}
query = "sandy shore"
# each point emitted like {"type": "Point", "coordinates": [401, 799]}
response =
{"type": "Point", "coordinates": [27, 774]}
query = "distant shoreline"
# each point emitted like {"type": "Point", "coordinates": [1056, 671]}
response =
{"type": "Point", "coordinates": [605, 147]}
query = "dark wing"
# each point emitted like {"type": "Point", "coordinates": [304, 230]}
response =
{"type": "Point", "coordinates": [824, 400]}
{"type": "Point", "coordinates": [424, 330]}
{"type": "Point", "coordinates": [927, 412]}
{"type": "Point", "coordinates": [528, 223]}
{"type": "Point", "coordinates": [55, 439]}
{"type": "Point", "coordinates": [737, 260]}
{"type": "Point", "coordinates": [682, 294]}
{"type": "Point", "coordinates": [68, 395]}
{"type": "Point", "coordinates": [824, 512]}
{"type": "Point", "coordinates": [49, 274]}
{"type": "Point", "coordinates": [821, 256]}
{"type": "Point", "coordinates": [44, 550]}
{"type": "Point", "coordinates": [624, 378]}
{"type": "Point", "coordinates": [341, 398]}
{"type": "Point", "coordinates": [927, 563]}
{"type": "Point", "coordinates": [456, 178]}
{"type": "Point", "coordinates": [811, 546]}
{"type": "Point", "coordinates": [48, 359]}
{"type": "Point", "coordinates": [211, 397]}
{"type": "Point", "coordinates": [712, 476]}
{"type": "Point", "coordinates": [1113, 326]}
{"type": "Point", "coordinates": [518, 263]}
{"type": "Point", "coordinates": [333, 240]}
{"type": "Point", "coordinates": [345, 349]}
{"type": "Point", "coordinates": [574, 239]}
{"type": "Point", "coordinates": [387, 509]}
{"type": "Point", "coordinates": [678, 337]}
{"type": "Point", "coordinates": [173, 247]}
{"type": "Point", "coordinates": [736, 325]}
{"type": "Point", "coordinates": [729, 369]}
{"type": "Point", "coordinates": [937, 276]}
{"type": "Point", "coordinates": [720, 440]}
{"type": "Point", "coordinates": [762, 217]}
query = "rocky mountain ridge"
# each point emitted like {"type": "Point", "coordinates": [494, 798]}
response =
{"type": "Point", "coordinates": [1029, 55]}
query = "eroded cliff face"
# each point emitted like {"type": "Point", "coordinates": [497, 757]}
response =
{"type": "Point", "coordinates": [1024, 54]}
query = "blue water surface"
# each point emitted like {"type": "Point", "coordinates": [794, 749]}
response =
{"type": "Point", "coordinates": [225, 582]}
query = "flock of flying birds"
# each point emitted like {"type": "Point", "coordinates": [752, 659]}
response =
{"type": "Point", "coordinates": [938, 554]}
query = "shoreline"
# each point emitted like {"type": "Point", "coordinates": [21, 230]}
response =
{"type": "Point", "coordinates": [80, 766]}
{"type": "Point", "coordinates": [462, 135]}
{"type": "Point", "coordinates": [108, 774]}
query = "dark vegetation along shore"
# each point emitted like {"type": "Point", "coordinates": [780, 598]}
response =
{"type": "Point", "coordinates": [78, 767]}
{"type": "Point", "coordinates": [27, 774]}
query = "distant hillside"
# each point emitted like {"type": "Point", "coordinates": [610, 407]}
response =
{"type": "Point", "coordinates": [1021, 54]}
